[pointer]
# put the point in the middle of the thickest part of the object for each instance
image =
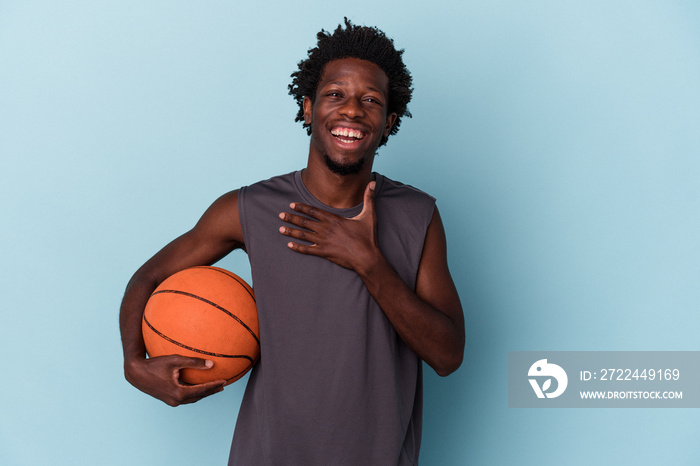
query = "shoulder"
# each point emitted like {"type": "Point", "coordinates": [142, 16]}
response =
{"type": "Point", "coordinates": [267, 194]}
{"type": "Point", "coordinates": [275, 183]}
{"type": "Point", "coordinates": [403, 196]}
{"type": "Point", "coordinates": [389, 187]}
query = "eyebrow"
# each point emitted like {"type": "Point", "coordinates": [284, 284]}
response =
{"type": "Point", "coordinates": [345, 83]}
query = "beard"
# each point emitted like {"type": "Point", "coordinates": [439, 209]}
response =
{"type": "Point", "coordinates": [343, 168]}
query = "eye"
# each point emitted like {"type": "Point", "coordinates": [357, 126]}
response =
{"type": "Point", "coordinates": [373, 100]}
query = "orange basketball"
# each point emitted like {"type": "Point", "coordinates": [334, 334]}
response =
{"type": "Point", "coordinates": [208, 313]}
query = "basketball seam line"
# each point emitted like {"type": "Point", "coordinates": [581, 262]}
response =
{"type": "Point", "coordinates": [196, 350]}
{"type": "Point", "coordinates": [228, 274]}
{"type": "Point", "coordinates": [184, 293]}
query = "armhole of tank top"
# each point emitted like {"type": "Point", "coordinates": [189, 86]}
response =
{"type": "Point", "coordinates": [432, 205]}
{"type": "Point", "coordinates": [242, 215]}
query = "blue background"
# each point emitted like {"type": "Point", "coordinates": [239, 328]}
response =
{"type": "Point", "coordinates": [560, 138]}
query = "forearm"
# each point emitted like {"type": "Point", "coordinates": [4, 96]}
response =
{"type": "Point", "coordinates": [430, 332]}
{"type": "Point", "coordinates": [428, 318]}
{"type": "Point", "coordinates": [208, 242]}
{"type": "Point", "coordinates": [136, 295]}
{"type": "Point", "coordinates": [216, 234]}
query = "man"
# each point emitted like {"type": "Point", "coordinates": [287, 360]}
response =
{"type": "Point", "coordinates": [350, 275]}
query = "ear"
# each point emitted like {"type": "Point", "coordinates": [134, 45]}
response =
{"type": "Point", "coordinates": [308, 110]}
{"type": "Point", "coordinates": [390, 120]}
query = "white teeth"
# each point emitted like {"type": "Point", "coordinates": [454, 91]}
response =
{"type": "Point", "coordinates": [348, 133]}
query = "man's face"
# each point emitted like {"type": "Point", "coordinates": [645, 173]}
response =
{"type": "Point", "coordinates": [349, 114]}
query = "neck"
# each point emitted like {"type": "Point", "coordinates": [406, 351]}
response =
{"type": "Point", "coordinates": [338, 191]}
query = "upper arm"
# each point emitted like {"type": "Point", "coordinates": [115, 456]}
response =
{"type": "Point", "coordinates": [217, 233]}
{"type": "Point", "coordinates": [434, 283]}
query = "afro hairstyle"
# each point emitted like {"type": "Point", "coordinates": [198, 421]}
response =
{"type": "Point", "coordinates": [365, 43]}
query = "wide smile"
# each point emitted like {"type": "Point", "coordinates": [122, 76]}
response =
{"type": "Point", "coordinates": [348, 136]}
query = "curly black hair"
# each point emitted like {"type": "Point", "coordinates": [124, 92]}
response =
{"type": "Point", "coordinates": [365, 43]}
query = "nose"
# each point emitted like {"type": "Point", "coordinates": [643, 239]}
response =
{"type": "Point", "coordinates": [352, 108]}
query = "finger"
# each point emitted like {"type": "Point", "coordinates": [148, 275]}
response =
{"type": "Point", "coordinates": [370, 188]}
{"type": "Point", "coordinates": [298, 220]}
{"type": "Point", "coordinates": [189, 393]}
{"type": "Point", "coordinates": [193, 393]}
{"type": "Point", "coordinates": [179, 361]}
{"type": "Point", "coordinates": [197, 366]}
{"type": "Point", "coordinates": [207, 388]}
{"type": "Point", "coordinates": [304, 249]}
{"type": "Point", "coordinates": [304, 235]}
{"type": "Point", "coordinates": [311, 211]}
{"type": "Point", "coordinates": [368, 205]}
